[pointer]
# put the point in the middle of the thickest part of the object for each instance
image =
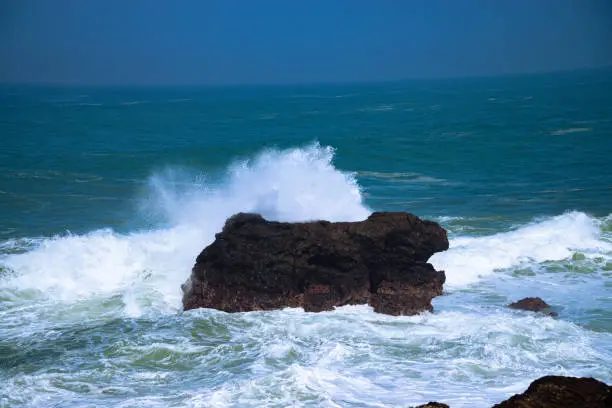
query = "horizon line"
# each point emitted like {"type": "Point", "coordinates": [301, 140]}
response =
{"type": "Point", "coordinates": [297, 83]}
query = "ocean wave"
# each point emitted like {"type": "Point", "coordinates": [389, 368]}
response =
{"type": "Point", "coordinates": [471, 258]}
{"type": "Point", "coordinates": [401, 177]}
{"type": "Point", "coordinates": [385, 175]}
{"type": "Point", "coordinates": [350, 356]}
{"type": "Point", "coordinates": [109, 304]}
{"type": "Point", "coordinates": [568, 131]}
{"type": "Point", "coordinates": [288, 185]}
{"type": "Point", "coordinates": [129, 103]}
{"type": "Point", "coordinates": [378, 108]}
{"type": "Point", "coordinates": [448, 218]}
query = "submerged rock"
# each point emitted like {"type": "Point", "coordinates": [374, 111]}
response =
{"type": "Point", "coordinates": [534, 304]}
{"type": "Point", "coordinates": [255, 264]}
{"type": "Point", "coordinates": [562, 392]}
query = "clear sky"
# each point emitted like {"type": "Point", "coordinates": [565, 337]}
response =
{"type": "Point", "coordinates": [286, 41]}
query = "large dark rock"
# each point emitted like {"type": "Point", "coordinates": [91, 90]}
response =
{"type": "Point", "coordinates": [255, 264]}
{"type": "Point", "coordinates": [562, 392]}
{"type": "Point", "coordinates": [556, 392]}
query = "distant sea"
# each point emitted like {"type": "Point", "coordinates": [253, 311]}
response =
{"type": "Point", "coordinates": [108, 194]}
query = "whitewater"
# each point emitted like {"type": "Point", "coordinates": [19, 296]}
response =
{"type": "Point", "coordinates": [95, 319]}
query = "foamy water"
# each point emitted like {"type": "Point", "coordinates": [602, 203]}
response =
{"type": "Point", "coordinates": [95, 319]}
{"type": "Point", "coordinates": [471, 258]}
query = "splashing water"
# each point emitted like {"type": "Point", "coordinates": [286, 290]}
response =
{"type": "Point", "coordinates": [556, 238]}
{"type": "Point", "coordinates": [95, 317]}
{"type": "Point", "coordinates": [290, 185]}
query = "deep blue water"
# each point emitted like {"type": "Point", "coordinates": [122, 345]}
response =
{"type": "Point", "coordinates": [108, 194]}
{"type": "Point", "coordinates": [76, 158]}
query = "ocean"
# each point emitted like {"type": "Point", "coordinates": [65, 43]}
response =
{"type": "Point", "coordinates": [107, 195]}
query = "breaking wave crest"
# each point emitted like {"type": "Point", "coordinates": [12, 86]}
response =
{"type": "Point", "coordinates": [551, 239]}
{"type": "Point", "coordinates": [117, 296]}
{"type": "Point", "coordinates": [289, 185]}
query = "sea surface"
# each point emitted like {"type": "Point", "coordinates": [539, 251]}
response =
{"type": "Point", "coordinates": [107, 195]}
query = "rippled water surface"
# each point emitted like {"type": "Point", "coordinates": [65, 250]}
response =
{"type": "Point", "coordinates": [107, 195]}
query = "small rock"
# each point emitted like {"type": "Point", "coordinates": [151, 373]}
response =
{"type": "Point", "coordinates": [534, 304]}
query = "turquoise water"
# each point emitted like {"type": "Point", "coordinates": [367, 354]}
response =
{"type": "Point", "coordinates": [108, 194]}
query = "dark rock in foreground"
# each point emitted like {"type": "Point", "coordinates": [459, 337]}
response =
{"type": "Point", "coordinates": [255, 264]}
{"type": "Point", "coordinates": [562, 392]}
{"type": "Point", "coordinates": [556, 392]}
{"type": "Point", "coordinates": [534, 304]}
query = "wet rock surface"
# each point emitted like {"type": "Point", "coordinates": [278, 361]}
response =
{"type": "Point", "coordinates": [533, 304]}
{"type": "Point", "coordinates": [562, 392]}
{"type": "Point", "coordinates": [555, 392]}
{"type": "Point", "coordinates": [255, 264]}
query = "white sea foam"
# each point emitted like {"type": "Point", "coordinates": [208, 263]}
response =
{"type": "Point", "coordinates": [289, 185]}
{"type": "Point", "coordinates": [353, 356]}
{"type": "Point", "coordinates": [448, 218]}
{"type": "Point", "coordinates": [556, 238]}
{"type": "Point", "coordinates": [350, 356]}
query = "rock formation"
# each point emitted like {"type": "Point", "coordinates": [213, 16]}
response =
{"type": "Point", "coordinates": [534, 304]}
{"type": "Point", "coordinates": [556, 392]}
{"type": "Point", "coordinates": [255, 264]}
{"type": "Point", "coordinates": [562, 392]}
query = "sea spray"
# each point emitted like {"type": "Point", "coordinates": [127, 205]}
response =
{"type": "Point", "coordinates": [291, 185]}
{"type": "Point", "coordinates": [96, 317]}
{"type": "Point", "coordinates": [471, 258]}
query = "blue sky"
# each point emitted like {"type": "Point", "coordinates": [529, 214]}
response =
{"type": "Point", "coordinates": [283, 41]}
